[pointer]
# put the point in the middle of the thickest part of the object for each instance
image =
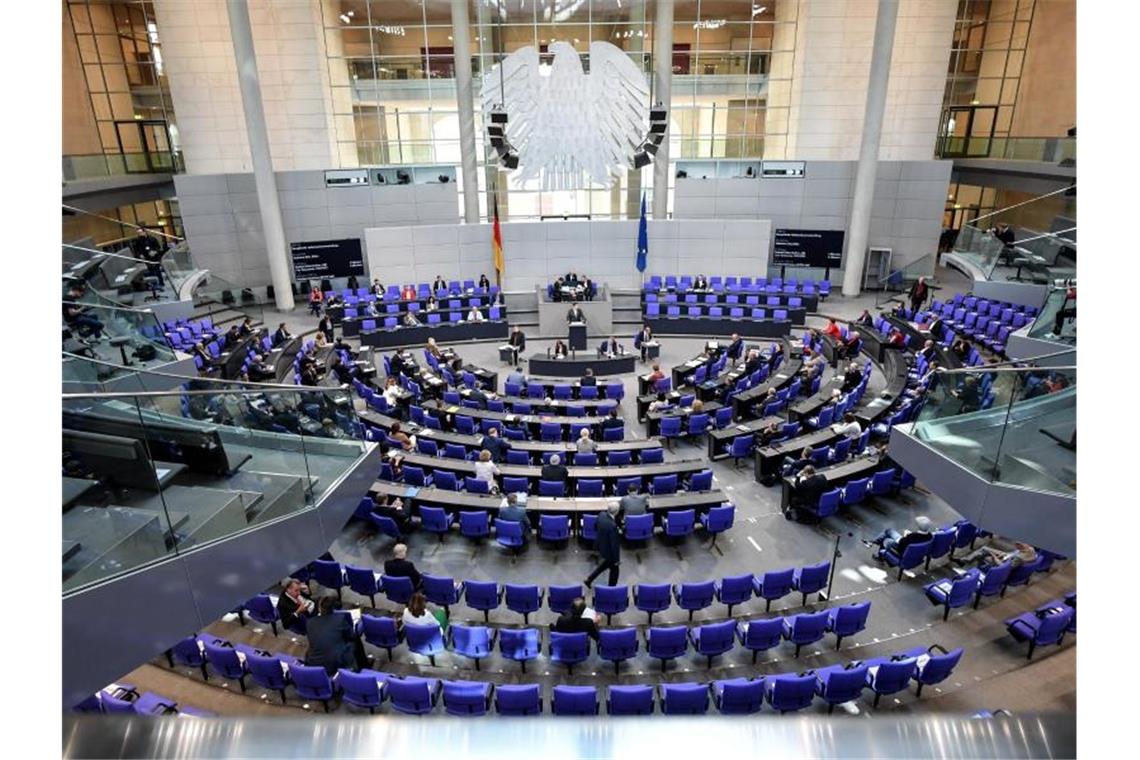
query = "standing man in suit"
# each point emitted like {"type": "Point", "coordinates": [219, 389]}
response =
{"type": "Point", "coordinates": [735, 347]}
{"type": "Point", "coordinates": [332, 641]}
{"type": "Point", "coordinates": [146, 247]}
{"type": "Point", "coordinates": [575, 314]}
{"type": "Point", "coordinates": [517, 342]}
{"type": "Point", "coordinates": [608, 545]}
{"type": "Point", "coordinates": [643, 337]}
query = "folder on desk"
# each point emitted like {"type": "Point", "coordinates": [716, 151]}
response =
{"type": "Point", "coordinates": [411, 491]}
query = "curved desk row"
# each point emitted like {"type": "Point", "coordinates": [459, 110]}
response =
{"type": "Point", "coordinates": [540, 364]}
{"type": "Point", "coordinates": [895, 371]}
{"type": "Point", "coordinates": [532, 422]}
{"type": "Point", "coordinates": [785, 374]}
{"type": "Point", "coordinates": [725, 326]}
{"type": "Point", "coordinates": [809, 301]}
{"type": "Point", "coordinates": [449, 332]}
{"type": "Point", "coordinates": [837, 475]}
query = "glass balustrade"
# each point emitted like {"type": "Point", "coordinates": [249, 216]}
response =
{"type": "Point", "coordinates": [1052, 150]}
{"type": "Point", "coordinates": [1057, 320]}
{"type": "Point", "coordinates": [87, 166]}
{"type": "Point", "coordinates": [1015, 426]}
{"type": "Point", "coordinates": [131, 339]}
{"type": "Point", "coordinates": [149, 475]}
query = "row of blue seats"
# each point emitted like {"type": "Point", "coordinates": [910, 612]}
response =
{"type": "Point", "coordinates": [692, 299]}
{"type": "Point", "coordinates": [881, 483]}
{"type": "Point", "coordinates": [1047, 625]}
{"type": "Point", "coordinates": [736, 312]}
{"type": "Point", "coordinates": [423, 290]}
{"type": "Point", "coordinates": [738, 284]}
{"type": "Point", "coordinates": [784, 692]}
{"type": "Point", "coordinates": [612, 458]}
{"type": "Point", "coordinates": [494, 314]}
{"type": "Point", "coordinates": [442, 477]}
{"type": "Point", "coordinates": [486, 596]}
{"type": "Point", "coordinates": [126, 699]}
{"type": "Point", "coordinates": [565, 391]}
{"type": "Point", "coordinates": [952, 593]}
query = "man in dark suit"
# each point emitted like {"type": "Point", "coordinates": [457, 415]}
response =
{"type": "Point", "coordinates": [332, 641]}
{"type": "Point", "coordinates": [633, 503]}
{"type": "Point", "coordinates": [608, 546]}
{"type": "Point", "coordinates": [611, 347]}
{"type": "Point", "coordinates": [572, 620]}
{"type": "Point", "coordinates": [401, 567]}
{"type": "Point", "coordinates": [575, 314]}
{"type": "Point", "coordinates": [294, 606]}
{"type": "Point", "coordinates": [496, 445]}
{"type": "Point", "coordinates": [555, 471]}
{"type": "Point", "coordinates": [612, 421]}
{"type": "Point", "coordinates": [571, 279]}
{"type": "Point", "coordinates": [281, 336]}
{"type": "Point", "coordinates": [735, 347]}
{"type": "Point", "coordinates": [807, 487]}
{"type": "Point", "coordinates": [700, 283]}
{"type": "Point", "coordinates": [852, 377]}
{"type": "Point", "coordinates": [588, 379]}
{"type": "Point", "coordinates": [478, 396]}
{"type": "Point", "coordinates": [517, 342]}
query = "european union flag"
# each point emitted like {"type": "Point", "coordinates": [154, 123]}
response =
{"type": "Point", "coordinates": [642, 238]}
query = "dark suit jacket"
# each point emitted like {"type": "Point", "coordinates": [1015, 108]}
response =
{"type": "Point", "coordinates": [569, 623]}
{"type": "Point", "coordinates": [403, 568]}
{"type": "Point", "coordinates": [588, 380]}
{"type": "Point", "coordinates": [735, 348]}
{"type": "Point", "coordinates": [497, 446]}
{"type": "Point", "coordinates": [916, 537]}
{"type": "Point", "coordinates": [554, 472]}
{"type": "Point", "coordinates": [808, 490]}
{"type": "Point", "coordinates": [611, 422]}
{"type": "Point", "coordinates": [575, 315]}
{"type": "Point", "coordinates": [330, 642]}
{"type": "Point", "coordinates": [518, 340]}
{"type": "Point", "coordinates": [608, 544]}
{"type": "Point", "coordinates": [287, 609]}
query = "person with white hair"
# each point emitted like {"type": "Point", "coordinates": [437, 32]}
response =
{"type": "Point", "coordinates": [554, 470]}
{"type": "Point", "coordinates": [401, 567]}
{"type": "Point", "coordinates": [585, 443]}
{"type": "Point", "coordinates": [891, 539]}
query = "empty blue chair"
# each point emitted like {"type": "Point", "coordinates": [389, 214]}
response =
{"type": "Point", "coordinates": [261, 609]}
{"type": "Point", "coordinates": [611, 600]}
{"type": "Point", "coordinates": [363, 581]}
{"type": "Point", "coordinates": [476, 485]}
{"type": "Point", "coordinates": [663, 484]}
{"type": "Point", "coordinates": [381, 632]}
{"type": "Point", "coordinates": [694, 596]}
{"type": "Point", "coordinates": [475, 524]}
{"type": "Point", "coordinates": [773, 585]}
{"type": "Point", "coordinates": [188, 653]}
{"type": "Point", "coordinates": [224, 661]}
{"type": "Point", "coordinates": [467, 698]}
{"type": "Point", "coordinates": [442, 590]}
{"type": "Point", "coordinates": [811, 579]}
{"type": "Point", "coordinates": [911, 557]}
{"type": "Point", "coordinates": [965, 535]}
{"type": "Point", "coordinates": [733, 590]}
{"type": "Point", "coordinates": [398, 589]}
{"type": "Point", "coordinates": [717, 520]}
{"type": "Point", "coordinates": [414, 476]}
{"type": "Point", "coordinates": [1020, 575]}
{"type": "Point", "coordinates": [700, 481]}
{"type": "Point", "coordinates": [411, 695]}
{"type": "Point", "coordinates": [629, 700]}
{"type": "Point", "coordinates": [855, 490]}
{"type": "Point", "coordinates": [652, 597]}
{"type": "Point", "coordinates": [847, 620]}
{"type": "Point", "coordinates": [312, 682]}
{"type": "Point", "coordinates": [589, 529]}
{"type": "Point", "coordinates": [952, 593]}
{"type": "Point", "coordinates": [713, 639]}
{"type": "Point", "coordinates": [329, 574]}
{"type": "Point", "coordinates": [267, 672]}
{"type": "Point", "coordinates": [426, 640]}
{"type": "Point", "coordinates": [941, 543]}
{"type": "Point", "coordinates": [838, 684]}
{"type": "Point", "coordinates": [558, 598]}
{"type": "Point", "coordinates": [760, 635]}
{"type": "Point", "coordinates": [472, 641]}
{"type": "Point", "coordinates": [550, 432]}
{"type": "Point", "coordinates": [1041, 628]}
{"type": "Point", "coordinates": [483, 595]}
{"type": "Point", "coordinates": [433, 519]}
{"type": "Point", "coordinates": [574, 700]}
{"type": "Point", "coordinates": [937, 666]}
{"type": "Point", "coordinates": [586, 459]}
{"type": "Point", "coordinates": [364, 689]}
{"type": "Point", "coordinates": [684, 698]}
{"type": "Point", "coordinates": [890, 675]}
{"type": "Point", "coordinates": [522, 599]}
{"type": "Point", "coordinates": [789, 692]}
{"type": "Point", "coordinates": [569, 649]}
{"type": "Point", "coordinates": [620, 458]}
{"type": "Point", "coordinates": [509, 533]}
{"type": "Point", "coordinates": [882, 482]}
{"type": "Point", "coordinates": [667, 643]}
{"type": "Point", "coordinates": [671, 427]}
{"type": "Point", "coordinates": [519, 644]}
{"type": "Point", "coordinates": [513, 484]}
{"type": "Point", "coordinates": [679, 522]}
{"type": "Point", "coordinates": [806, 628]}
{"type": "Point", "coordinates": [738, 696]}
{"type": "Point", "coordinates": [617, 645]}
{"type": "Point", "coordinates": [551, 488]}
{"type": "Point", "coordinates": [554, 528]}
{"type": "Point", "coordinates": [445, 480]}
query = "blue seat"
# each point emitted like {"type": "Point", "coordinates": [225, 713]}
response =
{"type": "Point", "coordinates": [574, 700]}
{"type": "Point", "coordinates": [638, 527]}
{"type": "Point", "coordinates": [519, 644]}
{"type": "Point", "coordinates": [684, 698]}
{"type": "Point", "coordinates": [442, 590]}
{"type": "Point", "coordinates": [411, 695]}
{"type": "Point", "coordinates": [329, 574]}
{"type": "Point", "coordinates": [224, 661]}
{"type": "Point", "coordinates": [679, 522]}
{"type": "Point", "coordinates": [667, 643]}
{"type": "Point", "coordinates": [312, 682]}
{"type": "Point", "coordinates": [482, 595]}
{"type": "Point", "coordinates": [811, 579]}
{"type": "Point", "coordinates": [700, 481]}
{"type": "Point", "coordinates": [398, 589]}
{"type": "Point", "coordinates": [586, 459]}
{"type": "Point", "coordinates": [426, 640]}
{"type": "Point", "coordinates": [617, 645]}
{"type": "Point", "coordinates": [855, 490]}
{"type": "Point", "coordinates": [554, 527]}
{"type": "Point", "coordinates": [652, 597]}
{"type": "Point", "coordinates": [509, 533]}
{"type": "Point", "coordinates": [847, 620]}
{"type": "Point", "coordinates": [381, 632]}
{"type": "Point", "coordinates": [611, 600]}
{"type": "Point", "coordinates": [671, 427]}
{"type": "Point", "coordinates": [514, 484]}
{"type": "Point", "coordinates": [467, 698]}
{"type": "Point", "coordinates": [993, 582]}
{"type": "Point", "coordinates": [364, 581]}
{"type": "Point", "coordinates": [1045, 628]}
{"type": "Point", "coordinates": [952, 594]}
{"type": "Point", "coordinates": [551, 488]}
{"type": "Point", "coordinates": [569, 649]}
{"type": "Point", "coordinates": [941, 543]}
{"type": "Point", "coordinates": [741, 448]}
{"type": "Point", "coordinates": [434, 519]}
{"type": "Point", "coordinates": [760, 635]}
{"type": "Point", "coordinates": [890, 675]}
{"type": "Point", "coordinates": [1021, 574]}
{"type": "Point", "coordinates": [733, 590]}
{"type": "Point", "coordinates": [622, 484]}
{"type": "Point", "coordinates": [937, 667]}
{"type": "Point", "coordinates": [629, 700]}
{"type": "Point", "coordinates": [838, 684]}
{"type": "Point", "coordinates": [806, 628]}
{"type": "Point", "coordinates": [911, 557]}
{"type": "Point", "coordinates": [522, 599]}
{"type": "Point", "coordinates": [789, 692]}
{"type": "Point", "coordinates": [475, 524]}
{"type": "Point", "coordinates": [738, 696]}
{"type": "Point", "coordinates": [477, 485]}
{"type": "Point", "coordinates": [694, 596]}
{"type": "Point", "coordinates": [717, 520]}
{"type": "Point", "coordinates": [773, 585]}
{"type": "Point", "coordinates": [550, 432]}
{"type": "Point", "coordinates": [558, 598]}
{"type": "Point", "coordinates": [651, 456]}
{"type": "Point", "coordinates": [965, 535]}
{"type": "Point", "coordinates": [619, 458]}
{"type": "Point", "coordinates": [472, 641]}
{"type": "Point", "coordinates": [261, 609]}
{"type": "Point", "coordinates": [713, 639]}
{"type": "Point", "coordinates": [188, 653]}
{"type": "Point", "coordinates": [663, 484]}
{"type": "Point", "coordinates": [589, 528]}
{"type": "Point", "coordinates": [445, 480]}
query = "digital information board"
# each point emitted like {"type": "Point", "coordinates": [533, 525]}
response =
{"type": "Point", "coordinates": [822, 249]}
{"type": "Point", "coordinates": [327, 258]}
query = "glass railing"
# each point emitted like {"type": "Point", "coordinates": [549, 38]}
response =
{"type": "Point", "coordinates": [129, 338]}
{"type": "Point", "coordinates": [217, 294]}
{"type": "Point", "coordinates": [1057, 320]}
{"type": "Point", "coordinates": [1033, 256]}
{"type": "Point", "coordinates": [150, 475]}
{"type": "Point", "coordinates": [897, 280]}
{"type": "Point", "coordinates": [88, 166]}
{"type": "Point", "coordinates": [1009, 425]}
{"type": "Point", "coordinates": [1052, 150]}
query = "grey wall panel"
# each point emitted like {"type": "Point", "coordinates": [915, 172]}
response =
{"type": "Point", "coordinates": [1043, 519]}
{"type": "Point", "coordinates": [1026, 293]}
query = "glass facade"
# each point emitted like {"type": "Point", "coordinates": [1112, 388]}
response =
{"type": "Point", "coordinates": [392, 66]}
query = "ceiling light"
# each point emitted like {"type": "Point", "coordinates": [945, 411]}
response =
{"type": "Point", "coordinates": [344, 19]}
{"type": "Point", "coordinates": [758, 9]}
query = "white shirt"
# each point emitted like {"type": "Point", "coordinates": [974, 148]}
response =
{"type": "Point", "coordinates": [475, 316]}
{"type": "Point", "coordinates": [849, 429]}
{"type": "Point", "coordinates": [486, 471]}
{"type": "Point", "coordinates": [425, 619]}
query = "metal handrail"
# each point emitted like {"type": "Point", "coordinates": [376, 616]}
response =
{"type": "Point", "coordinates": [120, 221]}
{"type": "Point", "coordinates": [974, 222]}
{"type": "Point", "coordinates": [176, 376]}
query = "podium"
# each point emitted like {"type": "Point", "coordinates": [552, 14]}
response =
{"type": "Point", "coordinates": [577, 336]}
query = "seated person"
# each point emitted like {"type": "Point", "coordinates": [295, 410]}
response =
{"type": "Point", "coordinates": [807, 487]}
{"type": "Point", "coordinates": [848, 427]}
{"type": "Point", "coordinates": [333, 643]}
{"type": "Point", "coordinates": [935, 327]}
{"type": "Point", "coordinates": [408, 293]}
{"type": "Point", "coordinates": [767, 434]}
{"type": "Point", "coordinates": [560, 350]}
{"type": "Point", "coordinates": [484, 283]}
{"type": "Point", "coordinates": [389, 505]}
{"type": "Point", "coordinates": [555, 470]}
{"type": "Point", "coordinates": [969, 395]}
{"type": "Point", "coordinates": [377, 289]}
{"type": "Point", "coordinates": [512, 510]}
{"type": "Point", "coordinates": [475, 315]}
{"type": "Point", "coordinates": [432, 304]}
{"type": "Point", "coordinates": [400, 567]}
{"type": "Point", "coordinates": [588, 379]}
{"type": "Point", "coordinates": [247, 326]}
{"type": "Point", "coordinates": [577, 619]}
{"type": "Point", "coordinates": [928, 351]}
{"type": "Point", "coordinates": [865, 319]}
{"type": "Point", "coordinates": [200, 351]}
{"type": "Point", "coordinates": [633, 503]}
{"type": "Point", "coordinates": [282, 335]}
{"type": "Point", "coordinates": [793, 466]}
{"type": "Point", "coordinates": [517, 377]}
{"type": "Point", "coordinates": [813, 362]}
{"type": "Point", "coordinates": [410, 320]}
{"type": "Point", "coordinates": [701, 283]}
{"type": "Point", "coordinates": [775, 356]}
{"type": "Point", "coordinates": [833, 330]}
{"type": "Point", "coordinates": [656, 374]}
{"type": "Point", "coordinates": [891, 539]}
{"type": "Point", "coordinates": [259, 369]}
{"type": "Point", "coordinates": [485, 469]}
{"type": "Point", "coordinates": [612, 421]}
{"type": "Point", "coordinates": [585, 444]}
{"type": "Point", "coordinates": [496, 445]}
{"type": "Point", "coordinates": [590, 290]}
{"type": "Point", "coordinates": [852, 377]}
{"type": "Point", "coordinates": [557, 289]}
{"type": "Point", "coordinates": [1000, 551]}
{"type": "Point", "coordinates": [320, 341]}
{"type": "Point", "coordinates": [735, 347]}
{"type": "Point", "coordinates": [295, 605]}
{"type": "Point", "coordinates": [433, 349]}
{"type": "Point", "coordinates": [848, 347]}
{"type": "Point", "coordinates": [439, 284]}
{"type": "Point", "coordinates": [330, 430]}
{"type": "Point", "coordinates": [896, 338]}
{"type": "Point", "coordinates": [397, 434]}
{"type": "Point", "coordinates": [477, 396]}
{"type": "Point", "coordinates": [961, 348]}
{"type": "Point", "coordinates": [611, 347]}
{"type": "Point", "coordinates": [417, 613]}
{"type": "Point", "coordinates": [368, 310]}
{"type": "Point", "coordinates": [661, 403]}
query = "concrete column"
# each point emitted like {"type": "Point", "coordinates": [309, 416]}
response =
{"type": "Point", "coordinates": [662, 91]}
{"type": "Point", "coordinates": [461, 34]}
{"type": "Point", "coordinates": [862, 199]}
{"type": "Point", "coordinates": [635, 45]}
{"type": "Point", "coordinates": [258, 136]}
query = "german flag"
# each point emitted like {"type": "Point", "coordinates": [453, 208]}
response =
{"type": "Point", "coordinates": [497, 244]}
